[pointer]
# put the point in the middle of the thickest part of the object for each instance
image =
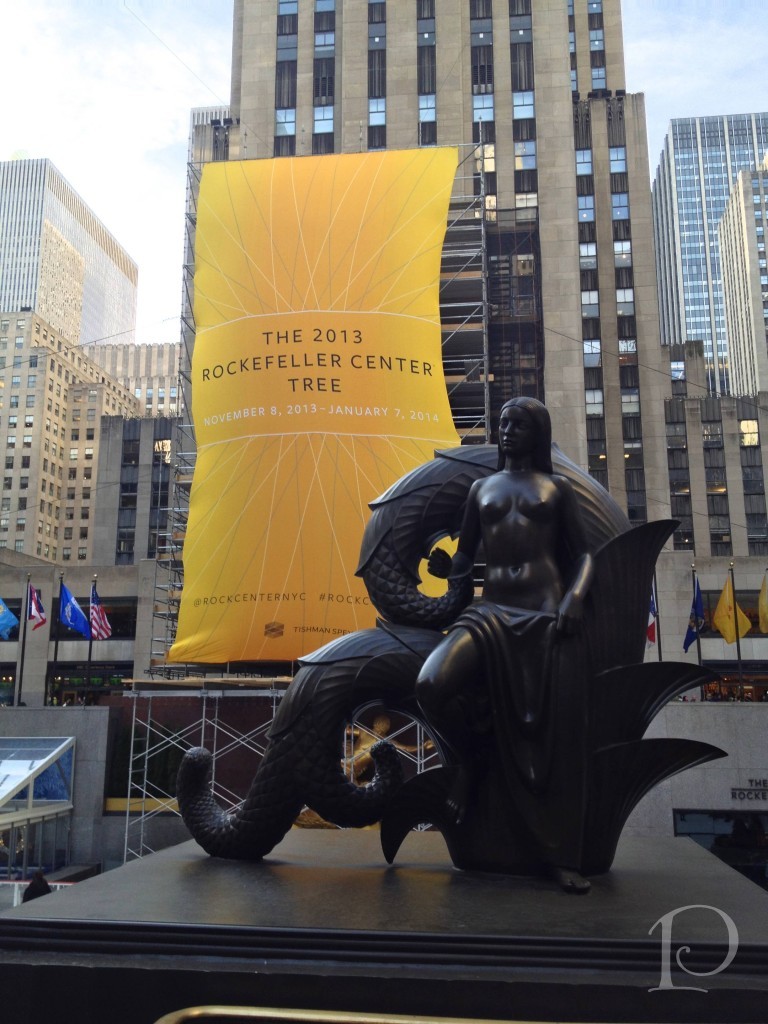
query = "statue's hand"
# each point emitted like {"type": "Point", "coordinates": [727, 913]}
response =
{"type": "Point", "coordinates": [569, 614]}
{"type": "Point", "coordinates": [439, 563]}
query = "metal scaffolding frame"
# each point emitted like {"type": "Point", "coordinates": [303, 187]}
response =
{"type": "Point", "coordinates": [151, 739]}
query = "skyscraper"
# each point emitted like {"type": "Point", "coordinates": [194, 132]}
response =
{"type": "Point", "coordinates": [534, 91]}
{"type": "Point", "coordinates": [745, 280]}
{"type": "Point", "coordinates": [700, 162]}
{"type": "Point", "coordinates": [58, 260]}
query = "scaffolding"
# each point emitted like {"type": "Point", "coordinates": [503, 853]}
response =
{"type": "Point", "coordinates": [158, 742]}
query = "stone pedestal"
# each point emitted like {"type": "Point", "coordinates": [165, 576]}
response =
{"type": "Point", "coordinates": [324, 923]}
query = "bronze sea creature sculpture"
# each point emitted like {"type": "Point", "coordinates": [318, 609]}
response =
{"type": "Point", "coordinates": [536, 692]}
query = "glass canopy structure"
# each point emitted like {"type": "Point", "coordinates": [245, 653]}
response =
{"type": "Point", "coordinates": [36, 779]}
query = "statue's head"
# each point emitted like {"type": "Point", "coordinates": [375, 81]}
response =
{"type": "Point", "coordinates": [542, 452]}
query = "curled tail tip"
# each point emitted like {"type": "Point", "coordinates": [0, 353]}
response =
{"type": "Point", "coordinates": [195, 766]}
{"type": "Point", "coordinates": [387, 760]}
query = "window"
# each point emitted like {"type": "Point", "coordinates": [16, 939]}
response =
{"type": "Point", "coordinates": [590, 304]}
{"type": "Point", "coordinates": [285, 124]}
{"type": "Point", "coordinates": [73, 454]}
{"type": "Point", "coordinates": [618, 158]}
{"type": "Point", "coordinates": [622, 254]}
{"type": "Point", "coordinates": [630, 401]}
{"type": "Point", "coordinates": [427, 107]}
{"type": "Point", "coordinates": [620, 206]}
{"type": "Point", "coordinates": [599, 79]}
{"type": "Point", "coordinates": [586, 208]}
{"type": "Point", "coordinates": [583, 161]}
{"type": "Point", "coordinates": [482, 107]}
{"type": "Point", "coordinates": [323, 120]}
{"type": "Point", "coordinates": [525, 155]}
{"type": "Point", "coordinates": [748, 433]}
{"type": "Point", "coordinates": [522, 105]}
{"type": "Point", "coordinates": [591, 351]}
{"type": "Point", "coordinates": [377, 111]}
{"type": "Point", "coordinates": [625, 301]}
{"type": "Point", "coordinates": [588, 256]}
{"type": "Point", "coordinates": [594, 401]}
{"type": "Point", "coordinates": [596, 39]}
{"type": "Point", "coordinates": [82, 554]}
{"type": "Point", "coordinates": [324, 44]}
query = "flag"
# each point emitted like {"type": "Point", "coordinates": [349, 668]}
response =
{"type": "Point", "coordinates": [8, 620]}
{"type": "Point", "coordinates": [652, 613]}
{"type": "Point", "coordinates": [100, 627]}
{"type": "Point", "coordinates": [35, 610]}
{"type": "Point", "coordinates": [71, 614]}
{"type": "Point", "coordinates": [724, 615]}
{"type": "Point", "coordinates": [696, 621]}
{"type": "Point", "coordinates": [762, 606]}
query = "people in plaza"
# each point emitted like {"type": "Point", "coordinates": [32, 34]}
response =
{"type": "Point", "coordinates": [37, 887]}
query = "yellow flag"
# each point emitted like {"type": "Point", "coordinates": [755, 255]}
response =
{"type": "Point", "coordinates": [724, 615]}
{"type": "Point", "coordinates": [762, 606]}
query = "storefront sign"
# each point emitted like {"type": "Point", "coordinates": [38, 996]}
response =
{"type": "Point", "coordinates": [756, 789]}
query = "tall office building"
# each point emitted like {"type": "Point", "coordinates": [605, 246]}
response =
{"type": "Point", "coordinates": [58, 260]}
{"type": "Point", "coordinates": [699, 165]}
{"type": "Point", "coordinates": [745, 280]}
{"type": "Point", "coordinates": [533, 94]}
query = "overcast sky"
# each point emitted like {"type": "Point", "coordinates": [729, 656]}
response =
{"type": "Point", "coordinates": [104, 89]}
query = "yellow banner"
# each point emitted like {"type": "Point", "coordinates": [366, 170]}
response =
{"type": "Point", "coordinates": [316, 383]}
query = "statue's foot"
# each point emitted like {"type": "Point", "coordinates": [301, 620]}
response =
{"type": "Point", "coordinates": [570, 881]}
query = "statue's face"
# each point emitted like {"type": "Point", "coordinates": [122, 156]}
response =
{"type": "Point", "coordinates": [517, 433]}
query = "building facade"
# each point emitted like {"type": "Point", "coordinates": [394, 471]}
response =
{"type": "Point", "coordinates": [745, 280]}
{"type": "Point", "coordinates": [151, 372]}
{"type": "Point", "coordinates": [699, 165]}
{"type": "Point", "coordinates": [58, 260]}
{"type": "Point", "coordinates": [534, 90]}
{"type": "Point", "coordinates": [134, 480]}
{"type": "Point", "coordinates": [53, 399]}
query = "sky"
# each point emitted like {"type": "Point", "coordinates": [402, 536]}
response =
{"type": "Point", "coordinates": [104, 89]}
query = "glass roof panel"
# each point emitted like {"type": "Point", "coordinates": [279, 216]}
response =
{"type": "Point", "coordinates": [22, 759]}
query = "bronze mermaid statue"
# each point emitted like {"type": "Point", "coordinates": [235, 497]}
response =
{"type": "Point", "coordinates": [536, 692]}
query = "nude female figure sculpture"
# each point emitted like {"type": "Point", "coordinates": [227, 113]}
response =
{"type": "Point", "coordinates": [497, 657]}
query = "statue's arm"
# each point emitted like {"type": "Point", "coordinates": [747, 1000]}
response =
{"type": "Point", "coordinates": [570, 609]}
{"type": "Point", "coordinates": [440, 562]}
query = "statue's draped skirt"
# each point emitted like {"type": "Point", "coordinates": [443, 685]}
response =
{"type": "Point", "coordinates": [532, 696]}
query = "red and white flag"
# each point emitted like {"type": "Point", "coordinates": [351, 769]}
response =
{"type": "Point", "coordinates": [35, 610]}
{"type": "Point", "coordinates": [100, 627]}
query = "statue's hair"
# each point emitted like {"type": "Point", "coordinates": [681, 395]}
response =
{"type": "Point", "coordinates": [542, 452]}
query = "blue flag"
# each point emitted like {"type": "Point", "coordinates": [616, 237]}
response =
{"type": "Point", "coordinates": [71, 614]}
{"type": "Point", "coordinates": [696, 621]}
{"type": "Point", "coordinates": [8, 620]}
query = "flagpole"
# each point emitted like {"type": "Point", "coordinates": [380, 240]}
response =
{"type": "Point", "coordinates": [58, 623]}
{"type": "Point", "coordinates": [25, 607]}
{"type": "Point", "coordinates": [695, 616]}
{"type": "Point", "coordinates": [738, 640]}
{"type": "Point", "coordinates": [658, 616]}
{"type": "Point", "coordinates": [90, 639]}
